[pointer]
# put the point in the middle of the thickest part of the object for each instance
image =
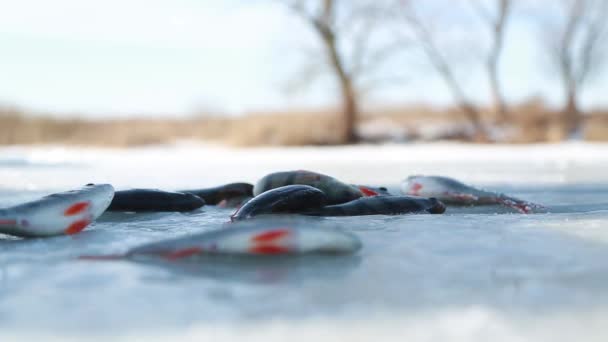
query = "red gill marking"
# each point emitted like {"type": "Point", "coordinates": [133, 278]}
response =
{"type": "Point", "coordinates": [367, 192]}
{"type": "Point", "coordinates": [414, 190]}
{"type": "Point", "coordinates": [182, 253]}
{"type": "Point", "coordinates": [271, 235]}
{"type": "Point", "coordinates": [8, 222]}
{"type": "Point", "coordinates": [77, 227]}
{"type": "Point", "coordinates": [76, 208]}
{"type": "Point", "coordinates": [269, 250]}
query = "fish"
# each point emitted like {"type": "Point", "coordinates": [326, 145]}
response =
{"type": "Point", "coordinates": [153, 200]}
{"type": "Point", "coordinates": [63, 213]}
{"type": "Point", "coordinates": [228, 194]}
{"type": "Point", "coordinates": [381, 205]}
{"type": "Point", "coordinates": [454, 192]}
{"type": "Point", "coordinates": [337, 192]}
{"type": "Point", "coordinates": [254, 238]}
{"type": "Point", "coordinates": [285, 199]}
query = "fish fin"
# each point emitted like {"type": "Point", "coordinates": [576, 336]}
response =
{"type": "Point", "coordinates": [77, 226]}
{"type": "Point", "coordinates": [521, 206]}
{"type": "Point", "coordinates": [223, 203]}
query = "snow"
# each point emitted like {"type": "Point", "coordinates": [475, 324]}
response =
{"type": "Point", "coordinates": [191, 164]}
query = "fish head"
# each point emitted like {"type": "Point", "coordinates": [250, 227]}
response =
{"type": "Point", "coordinates": [422, 186]}
{"type": "Point", "coordinates": [62, 213]}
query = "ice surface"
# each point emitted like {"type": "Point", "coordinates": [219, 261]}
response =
{"type": "Point", "coordinates": [469, 275]}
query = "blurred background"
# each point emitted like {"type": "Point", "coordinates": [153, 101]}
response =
{"type": "Point", "coordinates": [308, 72]}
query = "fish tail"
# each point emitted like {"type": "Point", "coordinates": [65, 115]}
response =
{"type": "Point", "coordinates": [521, 206]}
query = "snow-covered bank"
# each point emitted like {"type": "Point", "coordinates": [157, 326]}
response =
{"type": "Point", "coordinates": [190, 164]}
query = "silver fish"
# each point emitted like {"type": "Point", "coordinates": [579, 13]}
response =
{"type": "Point", "coordinates": [57, 214]}
{"type": "Point", "coordinates": [255, 237]}
{"type": "Point", "coordinates": [453, 192]}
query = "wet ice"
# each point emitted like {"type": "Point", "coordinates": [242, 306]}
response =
{"type": "Point", "coordinates": [476, 265]}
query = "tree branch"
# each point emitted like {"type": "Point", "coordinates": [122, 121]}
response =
{"type": "Point", "coordinates": [592, 33]}
{"type": "Point", "coordinates": [429, 47]}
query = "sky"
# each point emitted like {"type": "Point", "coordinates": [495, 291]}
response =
{"type": "Point", "coordinates": [179, 57]}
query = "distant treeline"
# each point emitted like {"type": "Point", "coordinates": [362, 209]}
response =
{"type": "Point", "coordinates": [363, 45]}
{"type": "Point", "coordinates": [531, 122]}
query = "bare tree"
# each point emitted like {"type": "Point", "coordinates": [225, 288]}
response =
{"type": "Point", "coordinates": [427, 40]}
{"type": "Point", "coordinates": [354, 31]}
{"type": "Point", "coordinates": [497, 23]}
{"type": "Point", "coordinates": [575, 47]}
{"type": "Point", "coordinates": [323, 23]}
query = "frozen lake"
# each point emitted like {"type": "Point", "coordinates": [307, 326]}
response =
{"type": "Point", "coordinates": [464, 276]}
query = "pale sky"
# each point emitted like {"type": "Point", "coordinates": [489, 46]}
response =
{"type": "Point", "coordinates": [173, 57]}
